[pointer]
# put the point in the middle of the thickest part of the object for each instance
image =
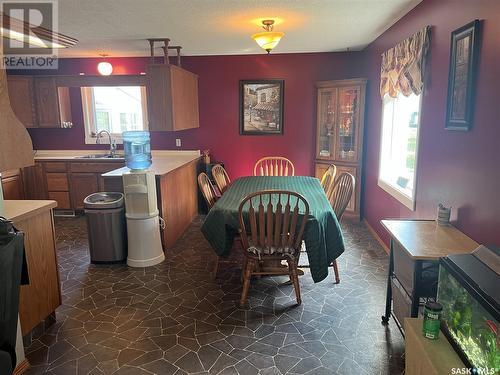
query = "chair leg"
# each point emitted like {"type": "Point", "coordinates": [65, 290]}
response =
{"type": "Point", "coordinates": [243, 268]}
{"type": "Point", "coordinates": [294, 277]}
{"type": "Point", "coordinates": [246, 281]}
{"type": "Point", "coordinates": [336, 271]}
{"type": "Point", "coordinates": [216, 268]}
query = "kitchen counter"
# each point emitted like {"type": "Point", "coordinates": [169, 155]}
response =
{"type": "Point", "coordinates": [40, 298]}
{"type": "Point", "coordinates": [24, 209]}
{"type": "Point", "coordinates": [68, 155]}
{"type": "Point", "coordinates": [161, 164]}
{"type": "Point", "coordinates": [65, 155]}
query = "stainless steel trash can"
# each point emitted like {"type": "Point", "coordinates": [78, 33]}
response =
{"type": "Point", "coordinates": [106, 224]}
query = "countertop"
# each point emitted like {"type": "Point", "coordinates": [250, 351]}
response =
{"type": "Point", "coordinates": [66, 155]}
{"type": "Point", "coordinates": [161, 165]}
{"type": "Point", "coordinates": [164, 161]}
{"type": "Point", "coordinates": [17, 210]}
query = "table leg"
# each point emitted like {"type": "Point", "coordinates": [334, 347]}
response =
{"type": "Point", "coordinates": [388, 296]}
{"type": "Point", "coordinates": [415, 298]}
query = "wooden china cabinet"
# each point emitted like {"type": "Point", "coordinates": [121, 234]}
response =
{"type": "Point", "coordinates": [339, 132]}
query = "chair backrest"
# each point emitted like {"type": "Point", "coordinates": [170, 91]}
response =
{"type": "Point", "coordinates": [273, 220]}
{"type": "Point", "coordinates": [274, 166]}
{"type": "Point", "coordinates": [207, 189]}
{"type": "Point", "coordinates": [342, 193]}
{"type": "Point", "coordinates": [221, 178]}
{"type": "Point", "coordinates": [328, 180]}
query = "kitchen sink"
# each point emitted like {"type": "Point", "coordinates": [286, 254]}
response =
{"type": "Point", "coordinates": [101, 156]}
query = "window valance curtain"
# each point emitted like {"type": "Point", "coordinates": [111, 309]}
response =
{"type": "Point", "coordinates": [403, 65]}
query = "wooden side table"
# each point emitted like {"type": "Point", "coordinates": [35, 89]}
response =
{"type": "Point", "coordinates": [415, 245]}
{"type": "Point", "coordinates": [428, 357]}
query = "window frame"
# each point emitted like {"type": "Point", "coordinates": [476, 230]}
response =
{"type": "Point", "coordinates": [395, 192]}
{"type": "Point", "coordinates": [88, 110]}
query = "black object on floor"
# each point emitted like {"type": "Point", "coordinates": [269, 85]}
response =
{"type": "Point", "coordinates": [12, 266]}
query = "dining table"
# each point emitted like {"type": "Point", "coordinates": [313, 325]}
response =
{"type": "Point", "coordinates": [323, 237]}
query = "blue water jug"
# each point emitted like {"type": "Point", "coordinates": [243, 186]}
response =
{"type": "Point", "coordinates": [137, 149]}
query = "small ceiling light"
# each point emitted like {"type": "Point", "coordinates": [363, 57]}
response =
{"type": "Point", "coordinates": [268, 39]}
{"type": "Point", "coordinates": [104, 67]}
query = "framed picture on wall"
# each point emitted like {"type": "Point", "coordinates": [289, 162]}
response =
{"type": "Point", "coordinates": [464, 55]}
{"type": "Point", "coordinates": [261, 107]}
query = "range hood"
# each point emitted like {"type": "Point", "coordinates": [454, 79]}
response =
{"type": "Point", "coordinates": [16, 149]}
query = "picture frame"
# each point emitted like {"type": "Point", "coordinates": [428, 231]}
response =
{"type": "Point", "coordinates": [464, 55]}
{"type": "Point", "coordinates": [261, 107]}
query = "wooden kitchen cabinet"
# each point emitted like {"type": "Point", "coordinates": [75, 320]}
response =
{"type": "Point", "coordinates": [82, 184]}
{"type": "Point", "coordinates": [86, 179]}
{"type": "Point", "coordinates": [55, 166]}
{"type": "Point", "coordinates": [22, 100]}
{"type": "Point", "coordinates": [57, 185]}
{"type": "Point", "coordinates": [57, 181]}
{"type": "Point", "coordinates": [339, 132]}
{"type": "Point", "coordinates": [12, 185]}
{"type": "Point", "coordinates": [62, 198]}
{"type": "Point", "coordinates": [34, 182]}
{"type": "Point", "coordinates": [67, 182]}
{"type": "Point", "coordinates": [172, 98]}
{"type": "Point", "coordinates": [52, 103]}
{"type": "Point", "coordinates": [41, 297]}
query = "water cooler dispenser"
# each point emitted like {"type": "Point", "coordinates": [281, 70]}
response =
{"type": "Point", "coordinates": [139, 186]}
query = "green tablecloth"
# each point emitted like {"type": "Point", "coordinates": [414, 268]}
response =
{"type": "Point", "coordinates": [322, 235]}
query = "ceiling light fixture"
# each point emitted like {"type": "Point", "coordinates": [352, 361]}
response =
{"type": "Point", "coordinates": [104, 67]}
{"type": "Point", "coordinates": [268, 39]}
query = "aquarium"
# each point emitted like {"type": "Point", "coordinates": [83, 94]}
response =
{"type": "Point", "coordinates": [468, 290]}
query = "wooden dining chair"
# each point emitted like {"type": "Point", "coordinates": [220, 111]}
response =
{"type": "Point", "coordinates": [208, 192]}
{"type": "Point", "coordinates": [273, 166]}
{"type": "Point", "coordinates": [221, 177]}
{"type": "Point", "coordinates": [207, 189]}
{"type": "Point", "coordinates": [328, 180]}
{"type": "Point", "coordinates": [341, 195]}
{"type": "Point", "coordinates": [272, 224]}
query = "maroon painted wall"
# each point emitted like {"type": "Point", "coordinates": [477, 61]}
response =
{"type": "Point", "coordinates": [219, 106]}
{"type": "Point", "coordinates": [459, 169]}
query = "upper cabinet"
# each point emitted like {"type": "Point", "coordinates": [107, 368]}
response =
{"type": "Point", "coordinates": [172, 98]}
{"type": "Point", "coordinates": [52, 102]}
{"type": "Point", "coordinates": [38, 102]}
{"type": "Point", "coordinates": [22, 101]}
{"type": "Point", "coordinates": [339, 131]}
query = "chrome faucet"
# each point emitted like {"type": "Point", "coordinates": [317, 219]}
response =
{"type": "Point", "coordinates": [112, 142]}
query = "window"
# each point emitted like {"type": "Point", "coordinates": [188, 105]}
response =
{"type": "Point", "coordinates": [399, 147]}
{"type": "Point", "coordinates": [113, 108]}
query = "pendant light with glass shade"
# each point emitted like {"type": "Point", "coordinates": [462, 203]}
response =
{"type": "Point", "coordinates": [268, 39]}
{"type": "Point", "coordinates": [104, 67]}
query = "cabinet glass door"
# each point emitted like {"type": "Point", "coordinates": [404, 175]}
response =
{"type": "Point", "coordinates": [347, 124]}
{"type": "Point", "coordinates": [326, 123]}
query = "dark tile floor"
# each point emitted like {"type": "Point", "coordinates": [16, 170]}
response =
{"type": "Point", "coordinates": [174, 319]}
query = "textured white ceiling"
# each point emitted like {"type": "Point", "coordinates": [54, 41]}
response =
{"type": "Point", "coordinates": [223, 27]}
